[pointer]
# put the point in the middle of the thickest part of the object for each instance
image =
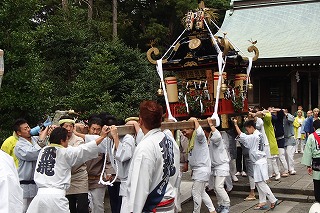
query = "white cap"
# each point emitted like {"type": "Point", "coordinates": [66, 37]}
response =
{"type": "Point", "coordinates": [315, 208]}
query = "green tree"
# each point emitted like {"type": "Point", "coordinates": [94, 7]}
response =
{"type": "Point", "coordinates": [116, 79]}
{"type": "Point", "coordinates": [22, 93]}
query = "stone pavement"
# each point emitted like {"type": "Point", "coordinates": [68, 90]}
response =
{"type": "Point", "coordinates": [298, 187]}
{"type": "Point", "coordinates": [291, 191]}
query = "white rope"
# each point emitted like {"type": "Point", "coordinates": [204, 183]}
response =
{"type": "Point", "coordinates": [108, 183]}
{"type": "Point", "coordinates": [186, 103]}
{"type": "Point", "coordinates": [248, 72]}
{"type": "Point", "coordinates": [213, 38]}
{"type": "Point", "coordinates": [174, 44]}
{"type": "Point", "coordinates": [160, 73]}
{"type": "Point", "coordinates": [221, 68]}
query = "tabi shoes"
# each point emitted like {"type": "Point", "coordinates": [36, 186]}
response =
{"type": "Point", "coordinates": [277, 177]}
{"type": "Point", "coordinates": [293, 172]}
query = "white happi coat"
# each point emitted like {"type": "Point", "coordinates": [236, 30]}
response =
{"type": "Point", "coordinates": [218, 155]}
{"type": "Point", "coordinates": [156, 159]}
{"type": "Point", "coordinates": [27, 154]}
{"type": "Point", "coordinates": [122, 155]}
{"type": "Point", "coordinates": [10, 190]}
{"type": "Point", "coordinates": [255, 144]}
{"type": "Point", "coordinates": [199, 157]}
{"type": "Point", "coordinates": [53, 175]}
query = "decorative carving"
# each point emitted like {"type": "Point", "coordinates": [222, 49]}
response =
{"type": "Point", "coordinates": [198, 16]}
{"type": "Point", "coordinates": [190, 64]}
{"type": "Point", "coordinates": [256, 53]}
{"type": "Point", "coordinates": [189, 20]}
{"type": "Point", "coordinates": [154, 51]}
{"type": "Point", "coordinates": [194, 43]}
{"type": "Point", "coordinates": [189, 55]}
{"type": "Point", "coordinates": [199, 20]}
{"type": "Point", "coordinates": [226, 44]}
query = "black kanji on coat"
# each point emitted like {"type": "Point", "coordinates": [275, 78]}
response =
{"type": "Point", "coordinates": [47, 161]}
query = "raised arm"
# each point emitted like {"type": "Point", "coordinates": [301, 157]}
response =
{"type": "Point", "coordinates": [104, 132]}
{"type": "Point", "coordinates": [115, 136]}
{"type": "Point", "coordinates": [235, 121]}
{"type": "Point", "coordinates": [79, 127]}
{"type": "Point", "coordinates": [210, 122]}
{"type": "Point", "coordinates": [196, 122]}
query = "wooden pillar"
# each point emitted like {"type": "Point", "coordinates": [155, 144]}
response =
{"type": "Point", "coordinates": [318, 91]}
{"type": "Point", "coordinates": [114, 19]}
{"type": "Point", "coordinates": [309, 83]}
{"type": "Point", "coordinates": [210, 84]}
{"type": "Point", "coordinates": [294, 93]}
{"type": "Point", "coordinates": [250, 93]}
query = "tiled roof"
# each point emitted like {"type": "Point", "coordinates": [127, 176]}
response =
{"type": "Point", "coordinates": [288, 30]}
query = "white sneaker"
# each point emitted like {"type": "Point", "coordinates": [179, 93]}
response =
{"type": "Point", "coordinates": [278, 176]}
{"type": "Point", "coordinates": [234, 178]}
{"type": "Point", "coordinates": [237, 174]}
{"type": "Point", "coordinates": [293, 172]}
{"type": "Point", "coordinates": [244, 174]}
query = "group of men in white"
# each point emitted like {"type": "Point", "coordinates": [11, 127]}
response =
{"type": "Point", "coordinates": [52, 174]}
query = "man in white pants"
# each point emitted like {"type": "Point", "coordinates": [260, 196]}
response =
{"type": "Point", "coordinates": [290, 144]}
{"type": "Point", "coordinates": [254, 142]}
{"type": "Point", "coordinates": [277, 119]}
{"type": "Point", "coordinates": [200, 164]}
{"type": "Point", "coordinates": [219, 167]}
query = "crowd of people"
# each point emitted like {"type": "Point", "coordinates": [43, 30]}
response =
{"type": "Point", "coordinates": [69, 167]}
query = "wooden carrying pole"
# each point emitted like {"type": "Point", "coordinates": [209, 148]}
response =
{"type": "Point", "coordinates": [129, 129]}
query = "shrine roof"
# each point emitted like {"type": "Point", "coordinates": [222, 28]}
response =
{"type": "Point", "coordinates": [284, 29]}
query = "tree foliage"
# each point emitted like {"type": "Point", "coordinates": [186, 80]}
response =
{"type": "Point", "coordinates": [59, 59]}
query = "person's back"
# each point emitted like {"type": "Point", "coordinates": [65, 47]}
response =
{"type": "Point", "coordinates": [8, 146]}
{"type": "Point", "coordinates": [269, 130]}
{"type": "Point", "coordinates": [152, 166]}
{"type": "Point", "coordinates": [79, 179]}
{"type": "Point", "coordinates": [278, 124]}
{"type": "Point", "coordinates": [11, 193]}
{"type": "Point", "coordinates": [219, 166]}
{"type": "Point", "coordinates": [199, 157]}
{"type": "Point", "coordinates": [53, 171]}
{"type": "Point", "coordinates": [200, 164]}
{"type": "Point", "coordinates": [218, 151]}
